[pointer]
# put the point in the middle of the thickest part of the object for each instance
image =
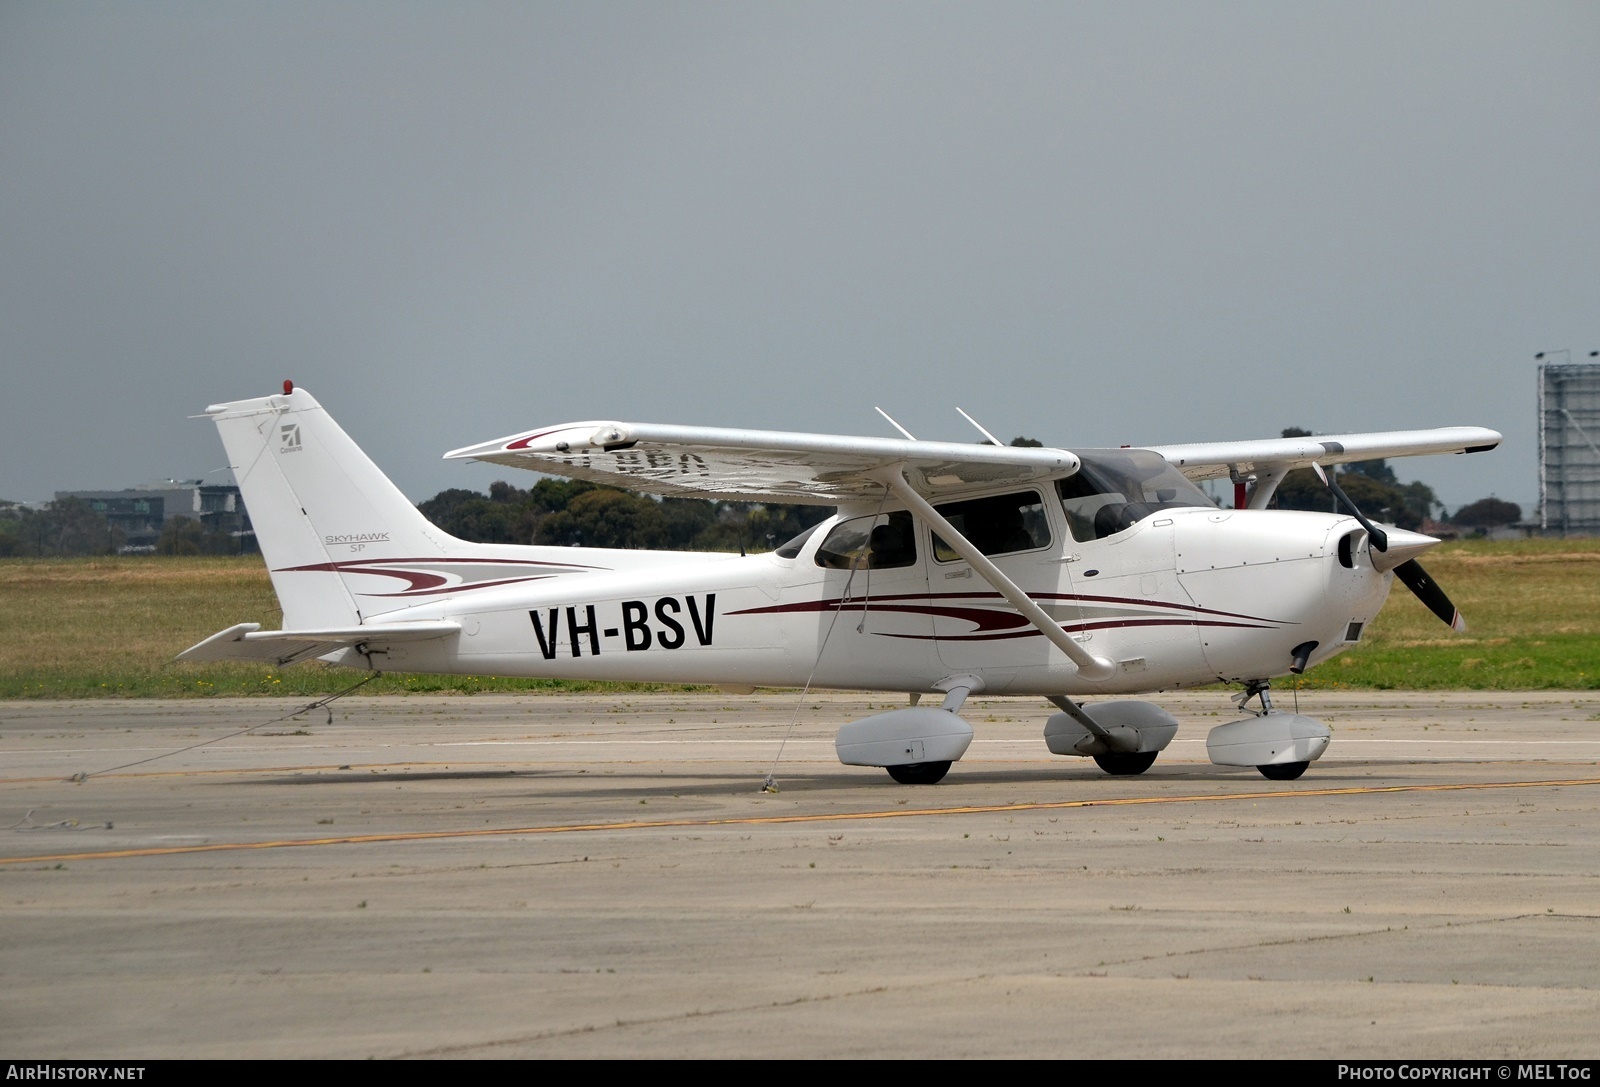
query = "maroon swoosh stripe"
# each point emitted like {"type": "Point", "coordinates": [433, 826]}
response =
{"type": "Point", "coordinates": [438, 560]}
{"type": "Point", "coordinates": [937, 609]}
{"type": "Point", "coordinates": [429, 583]}
{"type": "Point", "coordinates": [1107, 625]}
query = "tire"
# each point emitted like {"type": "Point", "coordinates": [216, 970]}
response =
{"type": "Point", "coordinates": [1283, 771]}
{"type": "Point", "coordinates": [919, 773]}
{"type": "Point", "coordinates": [1126, 762]}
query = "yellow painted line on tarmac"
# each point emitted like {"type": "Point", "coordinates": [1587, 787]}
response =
{"type": "Point", "coordinates": [329, 768]}
{"type": "Point", "coordinates": [775, 820]}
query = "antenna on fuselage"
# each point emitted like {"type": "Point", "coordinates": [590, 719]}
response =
{"type": "Point", "coordinates": [992, 439]}
{"type": "Point", "coordinates": [894, 424]}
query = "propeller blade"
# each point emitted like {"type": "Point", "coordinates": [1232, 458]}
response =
{"type": "Point", "coordinates": [1378, 538]}
{"type": "Point", "coordinates": [1427, 590]}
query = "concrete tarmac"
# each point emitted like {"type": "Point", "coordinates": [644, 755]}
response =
{"type": "Point", "coordinates": [601, 875]}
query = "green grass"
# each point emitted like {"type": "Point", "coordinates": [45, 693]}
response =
{"type": "Point", "coordinates": [86, 628]}
{"type": "Point", "coordinates": [1533, 614]}
{"type": "Point", "coordinates": [109, 627]}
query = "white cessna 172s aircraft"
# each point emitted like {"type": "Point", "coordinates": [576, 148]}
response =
{"type": "Point", "coordinates": [946, 568]}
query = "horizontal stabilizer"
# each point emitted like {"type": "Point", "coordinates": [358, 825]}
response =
{"type": "Point", "coordinates": [247, 641]}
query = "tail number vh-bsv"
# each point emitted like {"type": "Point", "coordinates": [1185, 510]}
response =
{"type": "Point", "coordinates": [666, 625]}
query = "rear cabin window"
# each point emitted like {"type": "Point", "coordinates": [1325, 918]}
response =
{"type": "Point", "coordinates": [996, 526]}
{"type": "Point", "coordinates": [881, 543]}
{"type": "Point", "coordinates": [1114, 489]}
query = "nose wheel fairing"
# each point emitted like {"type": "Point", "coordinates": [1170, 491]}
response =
{"type": "Point", "coordinates": [1274, 739]}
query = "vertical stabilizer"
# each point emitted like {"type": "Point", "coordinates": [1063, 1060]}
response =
{"type": "Point", "coordinates": [321, 509]}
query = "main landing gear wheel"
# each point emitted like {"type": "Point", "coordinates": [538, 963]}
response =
{"type": "Point", "coordinates": [1283, 771]}
{"type": "Point", "coordinates": [1128, 762]}
{"type": "Point", "coordinates": [919, 773]}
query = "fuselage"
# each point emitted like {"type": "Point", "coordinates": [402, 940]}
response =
{"type": "Point", "coordinates": [1180, 597]}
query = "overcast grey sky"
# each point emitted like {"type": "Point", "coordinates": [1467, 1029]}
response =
{"type": "Point", "coordinates": [1088, 223]}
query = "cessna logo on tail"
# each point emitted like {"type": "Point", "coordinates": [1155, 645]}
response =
{"type": "Point", "coordinates": [668, 630]}
{"type": "Point", "coordinates": [289, 438]}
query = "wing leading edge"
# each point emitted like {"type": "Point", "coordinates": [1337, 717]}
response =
{"type": "Point", "coordinates": [745, 465]}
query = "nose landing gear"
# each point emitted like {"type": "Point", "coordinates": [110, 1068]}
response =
{"type": "Point", "coordinates": [1279, 745]}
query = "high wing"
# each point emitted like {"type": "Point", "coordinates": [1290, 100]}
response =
{"type": "Point", "coordinates": [746, 465]}
{"type": "Point", "coordinates": [1209, 460]}
{"type": "Point", "coordinates": [826, 469]}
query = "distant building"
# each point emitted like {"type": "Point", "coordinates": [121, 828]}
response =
{"type": "Point", "coordinates": [140, 513]}
{"type": "Point", "coordinates": [1439, 530]}
{"type": "Point", "coordinates": [1569, 448]}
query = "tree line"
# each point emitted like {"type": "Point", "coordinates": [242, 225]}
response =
{"type": "Point", "coordinates": [571, 512]}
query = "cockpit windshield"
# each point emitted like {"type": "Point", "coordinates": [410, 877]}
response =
{"type": "Point", "coordinates": [792, 548]}
{"type": "Point", "coordinates": [1116, 488]}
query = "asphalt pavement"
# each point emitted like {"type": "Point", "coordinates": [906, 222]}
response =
{"type": "Point", "coordinates": [603, 875]}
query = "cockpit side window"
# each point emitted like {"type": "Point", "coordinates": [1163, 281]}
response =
{"type": "Point", "coordinates": [998, 525]}
{"type": "Point", "coordinates": [1114, 489]}
{"type": "Point", "coordinates": [882, 543]}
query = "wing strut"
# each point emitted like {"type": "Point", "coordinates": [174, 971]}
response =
{"type": "Point", "coordinates": [1090, 667]}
